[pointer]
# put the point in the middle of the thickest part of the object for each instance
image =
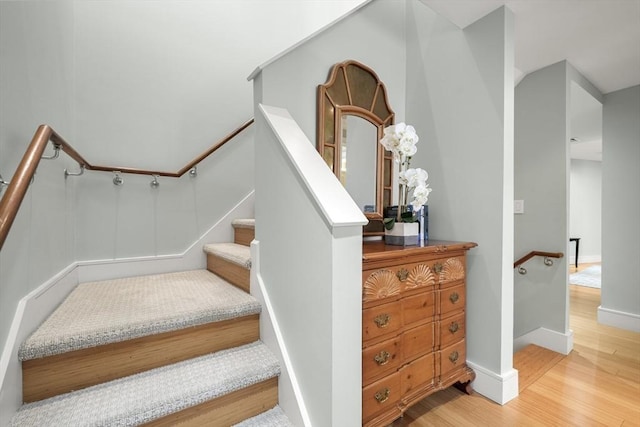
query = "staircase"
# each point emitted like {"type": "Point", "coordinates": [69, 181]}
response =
{"type": "Point", "coordinates": [177, 348]}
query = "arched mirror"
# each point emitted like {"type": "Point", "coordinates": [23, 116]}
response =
{"type": "Point", "coordinates": [353, 111]}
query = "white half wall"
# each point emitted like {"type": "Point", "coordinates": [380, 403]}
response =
{"type": "Point", "coordinates": [310, 256]}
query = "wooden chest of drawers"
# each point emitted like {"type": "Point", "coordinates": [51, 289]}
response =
{"type": "Point", "coordinates": [413, 325]}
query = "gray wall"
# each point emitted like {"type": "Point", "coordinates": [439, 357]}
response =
{"type": "Point", "coordinates": [460, 99]}
{"type": "Point", "coordinates": [291, 81]}
{"type": "Point", "coordinates": [585, 209]}
{"type": "Point", "coordinates": [542, 181]}
{"type": "Point", "coordinates": [457, 91]}
{"type": "Point", "coordinates": [139, 84]}
{"type": "Point", "coordinates": [621, 202]}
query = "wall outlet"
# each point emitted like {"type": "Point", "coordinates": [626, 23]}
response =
{"type": "Point", "coordinates": [518, 206]}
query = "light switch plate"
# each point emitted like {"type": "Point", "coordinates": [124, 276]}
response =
{"type": "Point", "coordinates": [518, 206]}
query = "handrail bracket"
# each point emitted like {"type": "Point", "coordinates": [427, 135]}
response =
{"type": "Point", "coordinates": [56, 152]}
{"type": "Point", "coordinates": [68, 174]}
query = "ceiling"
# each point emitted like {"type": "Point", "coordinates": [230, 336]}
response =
{"type": "Point", "coordinates": [600, 38]}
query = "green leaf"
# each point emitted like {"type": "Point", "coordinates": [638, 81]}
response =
{"type": "Point", "coordinates": [407, 217]}
{"type": "Point", "coordinates": [389, 223]}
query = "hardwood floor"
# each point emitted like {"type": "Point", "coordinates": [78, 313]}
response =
{"type": "Point", "coordinates": [598, 384]}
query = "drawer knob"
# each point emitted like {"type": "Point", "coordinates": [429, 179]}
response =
{"type": "Point", "coordinates": [382, 320]}
{"type": "Point", "coordinates": [437, 267]}
{"type": "Point", "coordinates": [382, 358]}
{"type": "Point", "coordinates": [402, 274]}
{"type": "Point", "coordinates": [454, 297]}
{"type": "Point", "coordinates": [382, 395]}
{"type": "Point", "coordinates": [453, 357]}
{"type": "Point", "coordinates": [453, 327]}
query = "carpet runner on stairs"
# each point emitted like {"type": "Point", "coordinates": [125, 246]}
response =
{"type": "Point", "coordinates": [165, 349]}
{"type": "Point", "coordinates": [150, 395]}
{"type": "Point", "coordinates": [99, 313]}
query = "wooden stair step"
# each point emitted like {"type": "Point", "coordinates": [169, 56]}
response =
{"type": "Point", "coordinates": [222, 388]}
{"type": "Point", "coordinates": [244, 231]}
{"type": "Point", "coordinates": [111, 329]}
{"type": "Point", "coordinates": [230, 261]}
{"type": "Point", "coordinates": [532, 362]}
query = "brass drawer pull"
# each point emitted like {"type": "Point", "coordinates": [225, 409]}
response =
{"type": "Point", "coordinates": [382, 320]}
{"type": "Point", "coordinates": [382, 395]}
{"type": "Point", "coordinates": [454, 297]}
{"type": "Point", "coordinates": [437, 267]}
{"type": "Point", "coordinates": [402, 274]}
{"type": "Point", "coordinates": [453, 327]}
{"type": "Point", "coordinates": [382, 358]}
{"type": "Point", "coordinates": [453, 357]}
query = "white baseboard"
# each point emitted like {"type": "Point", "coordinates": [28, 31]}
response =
{"type": "Point", "coordinates": [31, 311]}
{"type": "Point", "coordinates": [290, 396]}
{"type": "Point", "coordinates": [582, 259]}
{"type": "Point", "coordinates": [35, 307]}
{"type": "Point", "coordinates": [543, 337]}
{"type": "Point", "coordinates": [619, 319]}
{"type": "Point", "coordinates": [500, 388]}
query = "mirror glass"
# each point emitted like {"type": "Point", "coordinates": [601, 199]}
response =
{"type": "Point", "coordinates": [358, 164]}
{"type": "Point", "coordinates": [352, 113]}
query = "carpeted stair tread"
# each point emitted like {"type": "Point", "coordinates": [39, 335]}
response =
{"type": "Point", "coordinates": [232, 252]}
{"type": "Point", "coordinates": [244, 223]}
{"type": "Point", "coordinates": [156, 393]}
{"type": "Point", "coordinates": [98, 313]}
{"type": "Point", "coordinates": [272, 418]}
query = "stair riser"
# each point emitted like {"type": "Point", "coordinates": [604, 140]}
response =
{"type": "Point", "coordinates": [226, 410]}
{"type": "Point", "coordinates": [244, 236]}
{"type": "Point", "coordinates": [50, 376]}
{"type": "Point", "coordinates": [229, 271]}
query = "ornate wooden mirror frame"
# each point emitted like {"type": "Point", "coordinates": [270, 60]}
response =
{"type": "Point", "coordinates": [353, 89]}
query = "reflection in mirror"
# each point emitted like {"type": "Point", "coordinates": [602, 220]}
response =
{"type": "Point", "coordinates": [358, 160]}
{"type": "Point", "coordinates": [352, 112]}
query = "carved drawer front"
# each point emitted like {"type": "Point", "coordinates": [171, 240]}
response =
{"type": "Point", "coordinates": [419, 373]}
{"type": "Point", "coordinates": [380, 359]}
{"type": "Point", "coordinates": [380, 396]}
{"type": "Point", "coordinates": [449, 269]}
{"type": "Point", "coordinates": [416, 276]}
{"type": "Point", "coordinates": [418, 308]}
{"type": "Point", "coordinates": [380, 284]}
{"type": "Point", "coordinates": [452, 358]}
{"type": "Point", "coordinates": [452, 299]}
{"type": "Point", "coordinates": [452, 329]}
{"type": "Point", "coordinates": [417, 341]}
{"type": "Point", "coordinates": [381, 320]}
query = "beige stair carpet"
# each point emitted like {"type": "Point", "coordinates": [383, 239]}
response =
{"type": "Point", "coordinates": [232, 252]}
{"type": "Point", "coordinates": [153, 394]}
{"type": "Point", "coordinates": [99, 313]}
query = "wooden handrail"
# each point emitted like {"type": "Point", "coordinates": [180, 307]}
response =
{"type": "Point", "coordinates": [17, 189]}
{"type": "Point", "coordinates": [531, 254]}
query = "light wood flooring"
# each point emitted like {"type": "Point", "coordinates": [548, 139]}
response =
{"type": "Point", "coordinates": [597, 384]}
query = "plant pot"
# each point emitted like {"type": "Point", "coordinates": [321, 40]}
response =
{"type": "Point", "coordinates": [403, 234]}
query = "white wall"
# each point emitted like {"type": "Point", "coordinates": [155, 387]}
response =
{"type": "Point", "coordinates": [621, 210]}
{"type": "Point", "coordinates": [585, 207]}
{"type": "Point", "coordinates": [139, 84]}
{"type": "Point", "coordinates": [460, 99]}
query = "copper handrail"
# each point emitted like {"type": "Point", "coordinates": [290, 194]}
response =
{"type": "Point", "coordinates": [19, 183]}
{"type": "Point", "coordinates": [527, 257]}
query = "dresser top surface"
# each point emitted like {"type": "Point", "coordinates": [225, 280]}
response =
{"type": "Point", "coordinates": [378, 249]}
